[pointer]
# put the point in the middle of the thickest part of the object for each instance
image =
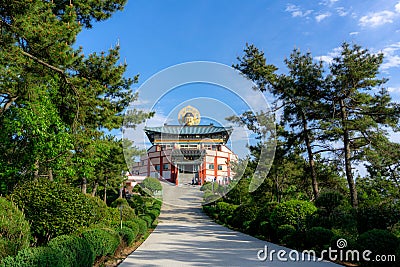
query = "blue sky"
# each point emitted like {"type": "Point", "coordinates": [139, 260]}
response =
{"type": "Point", "coordinates": [156, 34]}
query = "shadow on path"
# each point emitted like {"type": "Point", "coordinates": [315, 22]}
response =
{"type": "Point", "coordinates": [187, 237]}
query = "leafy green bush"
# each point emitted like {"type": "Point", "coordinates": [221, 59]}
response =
{"type": "Point", "coordinates": [380, 242]}
{"type": "Point", "coordinates": [127, 212]}
{"type": "Point", "coordinates": [133, 226]}
{"type": "Point", "coordinates": [147, 219]}
{"type": "Point", "coordinates": [75, 251]}
{"type": "Point", "coordinates": [285, 232]}
{"type": "Point", "coordinates": [208, 186]}
{"type": "Point", "coordinates": [127, 234]}
{"type": "Point", "coordinates": [226, 211]}
{"type": "Point", "coordinates": [142, 224]}
{"type": "Point", "coordinates": [55, 209]}
{"type": "Point", "coordinates": [153, 214]}
{"type": "Point", "coordinates": [318, 238]}
{"type": "Point", "coordinates": [328, 201]}
{"type": "Point", "coordinates": [14, 229]}
{"type": "Point", "coordinates": [35, 257]}
{"type": "Point", "coordinates": [377, 217]}
{"type": "Point", "coordinates": [244, 215]}
{"type": "Point", "coordinates": [102, 242]}
{"type": "Point", "coordinates": [151, 185]}
{"type": "Point", "coordinates": [292, 212]}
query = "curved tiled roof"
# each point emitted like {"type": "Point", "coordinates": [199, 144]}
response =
{"type": "Point", "coordinates": [195, 129]}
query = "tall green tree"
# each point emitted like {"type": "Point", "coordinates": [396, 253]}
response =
{"type": "Point", "coordinates": [50, 88]}
{"type": "Point", "coordinates": [358, 116]}
{"type": "Point", "coordinates": [300, 94]}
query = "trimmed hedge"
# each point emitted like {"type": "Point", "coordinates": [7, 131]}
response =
{"type": "Point", "coordinates": [133, 226]}
{"type": "Point", "coordinates": [14, 229]}
{"type": "Point", "coordinates": [285, 232]}
{"type": "Point", "coordinates": [127, 234]}
{"type": "Point", "coordinates": [75, 251]}
{"type": "Point", "coordinates": [318, 238]}
{"type": "Point", "coordinates": [142, 225]}
{"type": "Point", "coordinates": [102, 242]}
{"type": "Point", "coordinates": [35, 257]}
{"type": "Point", "coordinates": [55, 209]}
{"type": "Point", "coordinates": [380, 242]}
{"type": "Point", "coordinates": [292, 212]}
{"type": "Point", "coordinates": [148, 219]}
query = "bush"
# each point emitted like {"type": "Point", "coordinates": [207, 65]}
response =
{"type": "Point", "coordinates": [380, 242]}
{"type": "Point", "coordinates": [153, 214]}
{"type": "Point", "coordinates": [285, 232]}
{"type": "Point", "coordinates": [151, 185]}
{"type": "Point", "coordinates": [35, 257]}
{"type": "Point", "coordinates": [55, 209]}
{"type": "Point", "coordinates": [377, 217]}
{"type": "Point", "coordinates": [127, 212]}
{"type": "Point", "coordinates": [14, 229]}
{"type": "Point", "coordinates": [293, 212]}
{"type": "Point", "coordinates": [328, 201]}
{"type": "Point", "coordinates": [127, 234]}
{"type": "Point", "coordinates": [244, 215]}
{"type": "Point", "coordinates": [147, 219]}
{"type": "Point", "coordinates": [102, 242]}
{"type": "Point", "coordinates": [75, 251]}
{"type": "Point", "coordinates": [226, 211]}
{"type": "Point", "coordinates": [318, 238]}
{"type": "Point", "coordinates": [133, 226]}
{"type": "Point", "coordinates": [142, 225]}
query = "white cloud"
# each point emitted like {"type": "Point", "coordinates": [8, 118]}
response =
{"type": "Point", "coordinates": [322, 16]}
{"type": "Point", "coordinates": [392, 56]}
{"type": "Point", "coordinates": [353, 33]}
{"type": "Point", "coordinates": [329, 57]}
{"type": "Point", "coordinates": [296, 11]}
{"type": "Point", "coordinates": [397, 7]}
{"type": "Point", "coordinates": [328, 2]}
{"type": "Point", "coordinates": [380, 18]}
{"type": "Point", "coordinates": [342, 11]}
{"type": "Point", "coordinates": [395, 90]}
{"type": "Point", "coordinates": [377, 19]}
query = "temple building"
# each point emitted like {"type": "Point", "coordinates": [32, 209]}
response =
{"type": "Point", "coordinates": [188, 152]}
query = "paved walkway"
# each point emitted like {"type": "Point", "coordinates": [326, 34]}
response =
{"type": "Point", "coordinates": [187, 237]}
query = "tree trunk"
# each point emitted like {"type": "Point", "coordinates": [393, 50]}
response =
{"type": "Point", "coordinates": [96, 185]}
{"type": "Point", "coordinates": [105, 191]}
{"type": "Point", "coordinates": [311, 162]}
{"type": "Point", "coordinates": [347, 156]}
{"type": "Point", "coordinates": [36, 171]}
{"type": "Point", "coordinates": [51, 174]}
{"type": "Point", "coordinates": [84, 185]}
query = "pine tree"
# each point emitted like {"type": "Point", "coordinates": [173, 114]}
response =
{"type": "Point", "coordinates": [358, 117]}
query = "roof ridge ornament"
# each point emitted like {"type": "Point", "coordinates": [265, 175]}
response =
{"type": "Point", "coordinates": [189, 116]}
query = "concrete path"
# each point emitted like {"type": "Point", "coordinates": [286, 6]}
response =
{"type": "Point", "coordinates": [187, 237]}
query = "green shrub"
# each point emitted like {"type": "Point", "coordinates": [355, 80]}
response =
{"type": "Point", "coordinates": [14, 229]}
{"type": "Point", "coordinates": [127, 234]}
{"type": "Point", "coordinates": [244, 215]}
{"type": "Point", "coordinates": [153, 214]}
{"type": "Point", "coordinates": [133, 226]}
{"type": "Point", "coordinates": [208, 186]}
{"type": "Point", "coordinates": [328, 201]}
{"type": "Point", "coordinates": [226, 209]}
{"type": "Point", "coordinates": [285, 232]}
{"type": "Point", "coordinates": [380, 242]}
{"type": "Point", "coordinates": [142, 225]}
{"type": "Point", "coordinates": [35, 257]}
{"type": "Point", "coordinates": [318, 238]}
{"type": "Point", "coordinates": [377, 217]}
{"type": "Point", "coordinates": [293, 212]}
{"type": "Point", "coordinates": [147, 219]}
{"type": "Point", "coordinates": [55, 209]}
{"type": "Point", "coordinates": [151, 185]}
{"type": "Point", "coordinates": [75, 251]}
{"type": "Point", "coordinates": [102, 242]}
{"type": "Point", "coordinates": [261, 225]}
